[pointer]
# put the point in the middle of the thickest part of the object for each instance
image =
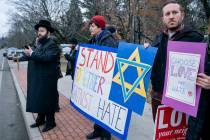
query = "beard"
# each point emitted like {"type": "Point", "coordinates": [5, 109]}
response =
{"type": "Point", "coordinates": [42, 37]}
{"type": "Point", "coordinates": [175, 27]}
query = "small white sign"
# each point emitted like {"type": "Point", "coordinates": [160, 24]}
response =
{"type": "Point", "coordinates": [181, 84]}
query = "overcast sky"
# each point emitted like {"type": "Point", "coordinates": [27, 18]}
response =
{"type": "Point", "coordinates": [5, 10]}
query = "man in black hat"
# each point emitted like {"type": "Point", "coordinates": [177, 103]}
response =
{"type": "Point", "coordinates": [42, 77]}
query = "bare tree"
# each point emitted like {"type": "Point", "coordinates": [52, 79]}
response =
{"type": "Point", "coordinates": [31, 11]}
{"type": "Point", "coordinates": [136, 20]}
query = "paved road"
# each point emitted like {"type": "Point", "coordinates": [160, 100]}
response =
{"type": "Point", "coordinates": [12, 126]}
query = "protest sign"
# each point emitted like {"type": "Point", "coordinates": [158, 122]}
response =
{"type": "Point", "coordinates": [170, 124]}
{"type": "Point", "coordinates": [91, 88]}
{"type": "Point", "coordinates": [132, 76]}
{"type": "Point", "coordinates": [184, 61]}
{"type": "Point", "coordinates": [182, 74]}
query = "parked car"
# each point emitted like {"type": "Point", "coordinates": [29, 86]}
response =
{"type": "Point", "coordinates": [14, 53]}
{"type": "Point", "coordinates": [17, 56]}
{"type": "Point", "coordinates": [10, 53]}
{"type": "Point", "coordinates": [65, 48]}
{"type": "Point", "coordinates": [10, 56]}
{"type": "Point", "coordinates": [5, 53]}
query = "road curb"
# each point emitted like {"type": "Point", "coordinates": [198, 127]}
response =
{"type": "Point", "coordinates": [34, 134]}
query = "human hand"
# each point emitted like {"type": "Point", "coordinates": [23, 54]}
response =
{"type": "Point", "coordinates": [203, 81]}
{"type": "Point", "coordinates": [28, 51]}
{"type": "Point", "coordinates": [146, 45]}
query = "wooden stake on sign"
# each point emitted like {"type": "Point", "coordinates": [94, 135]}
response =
{"type": "Point", "coordinates": [18, 65]}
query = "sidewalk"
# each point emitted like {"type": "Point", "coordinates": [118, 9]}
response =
{"type": "Point", "coordinates": [71, 125]}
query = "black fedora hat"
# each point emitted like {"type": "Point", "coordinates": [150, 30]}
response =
{"type": "Point", "coordinates": [46, 24]}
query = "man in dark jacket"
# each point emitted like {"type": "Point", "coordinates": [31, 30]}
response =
{"type": "Point", "coordinates": [199, 127]}
{"type": "Point", "coordinates": [173, 16]}
{"type": "Point", "coordinates": [71, 57]}
{"type": "Point", "coordinates": [101, 37]}
{"type": "Point", "coordinates": [42, 76]}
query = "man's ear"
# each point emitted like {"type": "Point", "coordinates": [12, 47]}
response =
{"type": "Point", "coordinates": [48, 33]}
{"type": "Point", "coordinates": [183, 15]}
{"type": "Point", "coordinates": [162, 19]}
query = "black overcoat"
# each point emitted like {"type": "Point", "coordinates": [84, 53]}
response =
{"type": "Point", "coordinates": [42, 76]}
